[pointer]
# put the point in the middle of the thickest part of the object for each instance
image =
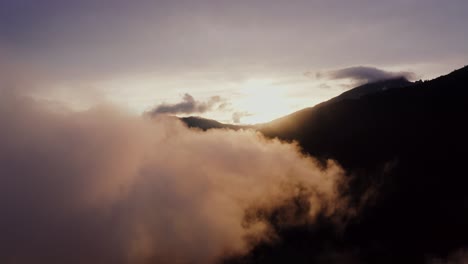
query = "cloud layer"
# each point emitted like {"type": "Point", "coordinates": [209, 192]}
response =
{"type": "Point", "coordinates": [103, 186]}
{"type": "Point", "coordinates": [88, 39]}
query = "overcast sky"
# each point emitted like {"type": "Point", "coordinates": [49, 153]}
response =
{"type": "Point", "coordinates": [254, 56]}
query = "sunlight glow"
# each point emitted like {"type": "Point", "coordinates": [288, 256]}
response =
{"type": "Point", "coordinates": [263, 101]}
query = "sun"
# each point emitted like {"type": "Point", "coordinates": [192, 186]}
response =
{"type": "Point", "coordinates": [263, 101]}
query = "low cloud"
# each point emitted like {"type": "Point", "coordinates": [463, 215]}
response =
{"type": "Point", "coordinates": [104, 186]}
{"type": "Point", "coordinates": [190, 106]}
{"type": "Point", "coordinates": [362, 74]}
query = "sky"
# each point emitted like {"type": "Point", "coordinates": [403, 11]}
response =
{"type": "Point", "coordinates": [234, 61]}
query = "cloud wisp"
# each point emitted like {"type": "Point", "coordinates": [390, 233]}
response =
{"type": "Point", "coordinates": [237, 116]}
{"type": "Point", "coordinates": [362, 74]}
{"type": "Point", "coordinates": [104, 186]}
{"type": "Point", "coordinates": [189, 106]}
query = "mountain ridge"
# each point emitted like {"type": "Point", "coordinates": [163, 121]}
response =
{"type": "Point", "coordinates": [408, 145]}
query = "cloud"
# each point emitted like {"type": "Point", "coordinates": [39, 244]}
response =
{"type": "Point", "coordinates": [189, 106]}
{"type": "Point", "coordinates": [236, 116]}
{"type": "Point", "coordinates": [104, 186]}
{"type": "Point", "coordinates": [362, 74]}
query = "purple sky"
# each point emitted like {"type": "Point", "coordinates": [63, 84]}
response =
{"type": "Point", "coordinates": [144, 53]}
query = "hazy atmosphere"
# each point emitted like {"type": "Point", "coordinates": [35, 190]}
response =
{"type": "Point", "coordinates": [236, 132]}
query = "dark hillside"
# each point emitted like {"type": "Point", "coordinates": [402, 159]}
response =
{"type": "Point", "coordinates": [410, 145]}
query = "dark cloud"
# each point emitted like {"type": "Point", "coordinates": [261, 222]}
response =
{"type": "Point", "coordinates": [104, 186]}
{"type": "Point", "coordinates": [362, 74]}
{"type": "Point", "coordinates": [189, 106]}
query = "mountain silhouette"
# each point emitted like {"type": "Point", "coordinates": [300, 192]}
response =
{"type": "Point", "coordinates": [408, 143]}
{"type": "Point", "coordinates": [371, 88]}
{"type": "Point", "coordinates": [205, 124]}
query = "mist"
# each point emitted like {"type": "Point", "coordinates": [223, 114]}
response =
{"type": "Point", "coordinates": [106, 186]}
